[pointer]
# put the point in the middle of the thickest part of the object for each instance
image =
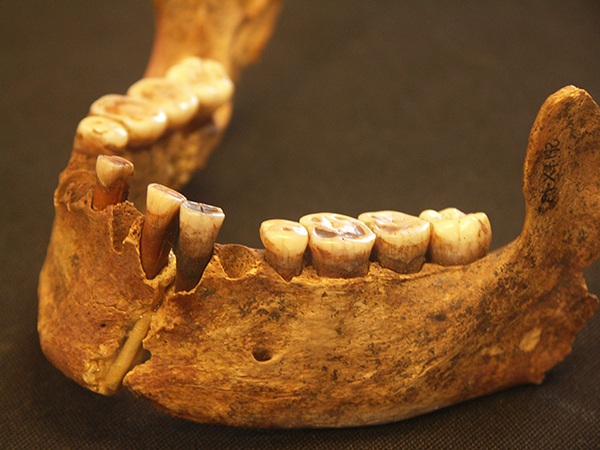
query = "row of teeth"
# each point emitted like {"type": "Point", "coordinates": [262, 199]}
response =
{"type": "Point", "coordinates": [191, 90]}
{"type": "Point", "coordinates": [338, 246]}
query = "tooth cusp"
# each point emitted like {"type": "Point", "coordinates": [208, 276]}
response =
{"type": "Point", "coordinates": [340, 246]}
{"type": "Point", "coordinates": [100, 135]}
{"type": "Point", "coordinates": [113, 176]}
{"type": "Point", "coordinates": [401, 240]}
{"type": "Point", "coordinates": [285, 242]}
{"type": "Point", "coordinates": [457, 238]}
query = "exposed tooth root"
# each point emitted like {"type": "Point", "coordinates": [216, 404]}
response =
{"type": "Point", "coordinates": [207, 78]}
{"type": "Point", "coordinates": [457, 238]}
{"type": "Point", "coordinates": [199, 225]}
{"type": "Point", "coordinates": [285, 243]}
{"type": "Point", "coordinates": [160, 227]}
{"type": "Point", "coordinates": [100, 135]}
{"type": "Point", "coordinates": [402, 239]}
{"type": "Point", "coordinates": [144, 121]}
{"type": "Point", "coordinates": [113, 175]}
{"type": "Point", "coordinates": [339, 245]}
{"type": "Point", "coordinates": [177, 100]}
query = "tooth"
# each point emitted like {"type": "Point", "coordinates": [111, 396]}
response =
{"type": "Point", "coordinates": [176, 100]}
{"type": "Point", "coordinates": [285, 243]}
{"type": "Point", "coordinates": [340, 246]}
{"type": "Point", "coordinates": [144, 121]}
{"type": "Point", "coordinates": [457, 238]}
{"type": "Point", "coordinates": [160, 227]}
{"type": "Point", "coordinates": [199, 225]}
{"type": "Point", "coordinates": [113, 175]}
{"type": "Point", "coordinates": [97, 134]}
{"type": "Point", "coordinates": [207, 78]}
{"type": "Point", "coordinates": [401, 242]}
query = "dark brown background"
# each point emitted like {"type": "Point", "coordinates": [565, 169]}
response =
{"type": "Point", "coordinates": [356, 106]}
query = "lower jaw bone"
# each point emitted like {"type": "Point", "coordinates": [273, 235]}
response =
{"type": "Point", "coordinates": [246, 347]}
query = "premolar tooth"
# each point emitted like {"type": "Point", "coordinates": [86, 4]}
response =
{"type": "Point", "coordinates": [97, 134]}
{"type": "Point", "coordinates": [160, 227]}
{"type": "Point", "coordinates": [199, 225]}
{"type": "Point", "coordinates": [144, 121]}
{"type": "Point", "coordinates": [340, 246]}
{"type": "Point", "coordinates": [113, 175]}
{"type": "Point", "coordinates": [177, 100]}
{"type": "Point", "coordinates": [402, 239]}
{"type": "Point", "coordinates": [457, 238]}
{"type": "Point", "coordinates": [207, 78]}
{"type": "Point", "coordinates": [285, 243]}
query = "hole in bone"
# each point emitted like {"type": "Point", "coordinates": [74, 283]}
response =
{"type": "Point", "coordinates": [236, 260]}
{"type": "Point", "coordinates": [262, 354]}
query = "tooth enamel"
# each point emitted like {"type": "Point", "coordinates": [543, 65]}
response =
{"type": "Point", "coordinates": [113, 175]}
{"type": "Point", "coordinates": [457, 238]}
{"type": "Point", "coordinates": [160, 227]}
{"type": "Point", "coordinates": [144, 121]}
{"type": "Point", "coordinates": [340, 246]}
{"type": "Point", "coordinates": [402, 239]}
{"type": "Point", "coordinates": [199, 225]}
{"type": "Point", "coordinates": [285, 243]}
{"type": "Point", "coordinates": [207, 78]}
{"type": "Point", "coordinates": [177, 100]}
{"type": "Point", "coordinates": [97, 134]}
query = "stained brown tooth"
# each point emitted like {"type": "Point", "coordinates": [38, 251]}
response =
{"type": "Point", "coordinates": [160, 227]}
{"type": "Point", "coordinates": [199, 225]}
{"type": "Point", "coordinates": [285, 243]}
{"type": "Point", "coordinates": [113, 175]}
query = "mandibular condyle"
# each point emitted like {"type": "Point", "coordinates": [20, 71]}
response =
{"type": "Point", "coordinates": [338, 321]}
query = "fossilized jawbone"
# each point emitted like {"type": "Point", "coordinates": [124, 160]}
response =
{"type": "Point", "coordinates": [305, 333]}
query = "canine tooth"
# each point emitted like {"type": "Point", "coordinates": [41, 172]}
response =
{"type": "Point", "coordinates": [97, 134]}
{"type": "Point", "coordinates": [144, 121]}
{"type": "Point", "coordinates": [177, 100]}
{"type": "Point", "coordinates": [207, 78]}
{"type": "Point", "coordinates": [160, 227]}
{"type": "Point", "coordinates": [285, 242]}
{"type": "Point", "coordinates": [199, 225]}
{"type": "Point", "coordinates": [113, 175]}
{"type": "Point", "coordinates": [402, 239]}
{"type": "Point", "coordinates": [340, 246]}
{"type": "Point", "coordinates": [457, 238]}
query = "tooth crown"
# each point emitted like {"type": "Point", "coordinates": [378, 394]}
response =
{"type": "Point", "coordinates": [285, 242]}
{"type": "Point", "coordinates": [98, 134]}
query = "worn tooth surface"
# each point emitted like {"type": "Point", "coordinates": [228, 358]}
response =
{"type": "Point", "coordinates": [199, 226]}
{"type": "Point", "coordinates": [144, 121]}
{"type": "Point", "coordinates": [113, 176]}
{"type": "Point", "coordinates": [457, 238]}
{"type": "Point", "coordinates": [98, 134]}
{"type": "Point", "coordinates": [160, 227]}
{"type": "Point", "coordinates": [339, 245]}
{"type": "Point", "coordinates": [177, 101]}
{"type": "Point", "coordinates": [402, 239]}
{"type": "Point", "coordinates": [285, 242]}
{"type": "Point", "coordinates": [208, 80]}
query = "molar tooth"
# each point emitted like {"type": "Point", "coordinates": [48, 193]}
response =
{"type": "Point", "coordinates": [207, 78]}
{"type": "Point", "coordinates": [113, 175]}
{"type": "Point", "coordinates": [285, 243]}
{"type": "Point", "coordinates": [97, 134]}
{"type": "Point", "coordinates": [160, 227]}
{"type": "Point", "coordinates": [402, 239]}
{"type": "Point", "coordinates": [144, 121]}
{"type": "Point", "coordinates": [457, 238]}
{"type": "Point", "coordinates": [199, 225]}
{"type": "Point", "coordinates": [340, 246]}
{"type": "Point", "coordinates": [177, 100]}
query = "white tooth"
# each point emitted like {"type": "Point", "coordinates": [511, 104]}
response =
{"type": "Point", "coordinates": [340, 246]}
{"type": "Point", "coordinates": [285, 243]}
{"type": "Point", "coordinates": [96, 134]}
{"type": "Point", "coordinates": [207, 78]}
{"type": "Point", "coordinates": [199, 226]}
{"type": "Point", "coordinates": [177, 100]}
{"type": "Point", "coordinates": [144, 121]}
{"type": "Point", "coordinates": [457, 238]}
{"type": "Point", "coordinates": [401, 242]}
